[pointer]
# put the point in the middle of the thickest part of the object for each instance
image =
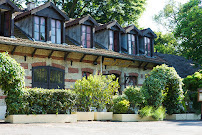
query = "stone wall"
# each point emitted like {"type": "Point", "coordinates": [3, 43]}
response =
{"type": "Point", "coordinates": [72, 65]}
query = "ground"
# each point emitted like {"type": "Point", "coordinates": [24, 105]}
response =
{"type": "Point", "coordinates": [104, 128]}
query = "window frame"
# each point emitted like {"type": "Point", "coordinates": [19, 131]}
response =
{"type": "Point", "coordinates": [131, 44]}
{"type": "Point", "coordinates": [39, 30]}
{"type": "Point", "coordinates": [147, 46]}
{"type": "Point", "coordinates": [48, 85]}
{"type": "Point", "coordinates": [56, 33]}
{"type": "Point", "coordinates": [84, 41]}
{"type": "Point", "coordinates": [136, 78]}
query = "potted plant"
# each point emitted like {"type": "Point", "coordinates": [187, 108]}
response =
{"type": "Point", "coordinates": [95, 91]}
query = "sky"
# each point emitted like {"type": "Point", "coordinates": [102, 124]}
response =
{"type": "Point", "coordinates": [153, 7]}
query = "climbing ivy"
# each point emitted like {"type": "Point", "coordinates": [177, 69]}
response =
{"type": "Point", "coordinates": [163, 86]}
{"type": "Point", "coordinates": [11, 83]}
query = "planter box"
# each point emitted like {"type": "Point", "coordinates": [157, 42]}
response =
{"type": "Point", "coordinates": [84, 115]}
{"type": "Point", "coordinates": [130, 118]}
{"type": "Point", "coordinates": [189, 116]}
{"type": "Point", "coordinates": [42, 118]}
{"type": "Point", "coordinates": [103, 115]}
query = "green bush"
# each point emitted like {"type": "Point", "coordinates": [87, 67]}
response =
{"type": "Point", "coordinates": [45, 101]}
{"type": "Point", "coordinates": [11, 83]}
{"type": "Point", "coordinates": [95, 91]}
{"type": "Point", "coordinates": [120, 104]}
{"type": "Point", "coordinates": [134, 95]}
{"type": "Point", "coordinates": [163, 86]}
{"type": "Point", "coordinates": [157, 114]}
{"type": "Point", "coordinates": [191, 85]}
{"type": "Point", "coordinates": [146, 111]}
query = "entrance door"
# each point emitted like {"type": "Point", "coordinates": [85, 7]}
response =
{"type": "Point", "coordinates": [116, 41]}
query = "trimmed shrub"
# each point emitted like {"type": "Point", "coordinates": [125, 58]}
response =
{"type": "Point", "coordinates": [163, 86]}
{"type": "Point", "coordinates": [95, 91]}
{"type": "Point", "coordinates": [12, 82]}
{"type": "Point", "coordinates": [191, 85]}
{"type": "Point", "coordinates": [120, 104]}
{"type": "Point", "coordinates": [45, 101]}
{"type": "Point", "coordinates": [134, 95]}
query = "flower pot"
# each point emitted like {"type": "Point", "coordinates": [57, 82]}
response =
{"type": "Point", "coordinates": [84, 115]}
{"type": "Point", "coordinates": [42, 118]}
{"type": "Point", "coordinates": [130, 118]}
{"type": "Point", "coordinates": [103, 115]}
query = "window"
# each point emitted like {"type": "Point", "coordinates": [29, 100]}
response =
{"type": "Point", "coordinates": [130, 80]}
{"type": "Point", "coordinates": [147, 46]}
{"type": "Point", "coordinates": [86, 36]}
{"type": "Point", "coordinates": [39, 28]}
{"type": "Point", "coordinates": [47, 77]}
{"type": "Point", "coordinates": [85, 74]}
{"type": "Point", "coordinates": [111, 40]}
{"type": "Point", "coordinates": [56, 31]}
{"type": "Point", "coordinates": [131, 44]}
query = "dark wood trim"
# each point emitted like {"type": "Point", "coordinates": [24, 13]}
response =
{"type": "Point", "coordinates": [95, 61]}
{"type": "Point", "coordinates": [140, 64]}
{"type": "Point", "coordinates": [92, 37]}
{"type": "Point", "coordinates": [63, 32]}
{"type": "Point", "coordinates": [34, 52]}
{"type": "Point", "coordinates": [145, 67]}
{"type": "Point", "coordinates": [82, 57]}
{"type": "Point", "coordinates": [119, 42]}
{"type": "Point", "coordinates": [137, 44]}
{"type": "Point", "coordinates": [33, 19]}
{"type": "Point", "coordinates": [12, 24]}
{"type": "Point", "coordinates": [12, 52]}
{"type": "Point", "coordinates": [66, 55]}
{"type": "Point", "coordinates": [50, 54]}
{"type": "Point", "coordinates": [48, 29]}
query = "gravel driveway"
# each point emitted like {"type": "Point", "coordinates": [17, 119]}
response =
{"type": "Point", "coordinates": [104, 128]}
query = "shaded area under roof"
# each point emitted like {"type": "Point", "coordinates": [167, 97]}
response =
{"type": "Point", "coordinates": [183, 66]}
{"type": "Point", "coordinates": [73, 48]}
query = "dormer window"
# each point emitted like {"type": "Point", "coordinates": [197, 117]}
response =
{"type": "Point", "coordinates": [86, 36]}
{"type": "Point", "coordinates": [39, 28]}
{"type": "Point", "coordinates": [147, 44]}
{"type": "Point", "coordinates": [55, 31]}
{"type": "Point", "coordinates": [114, 40]}
{"type": "Point", "coordinates": [131, 43]}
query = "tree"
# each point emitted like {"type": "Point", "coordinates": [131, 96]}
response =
{"type": "Point", "coordinates": [189, 30]}
{"type": "Point", "coordinates": [124, 11]}
{"type": "Point", "coordinates": [166, 44]}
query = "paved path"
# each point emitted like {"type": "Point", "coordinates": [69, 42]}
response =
{"type": "Point", "coordinates": [105, 128]}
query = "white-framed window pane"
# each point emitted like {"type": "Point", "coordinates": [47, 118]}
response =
{"type": "Point", "coordinates": [36, 20]}
{"type": "Point", "coordinates": [52, 23]}
{"type": "Point", "coordinates": [52, 39]}
{"type": "Point", "coordinates": [58, 36]}
{"type": "Point", "coordinates": [129, 47]}
{"type": "Point", "coordinates": [88, 29]}
{"type": "Point", "coordinates": [83, 28]}
{"type": "Point", "coordinates": [88, 37]}
{"type": "Point", "coordinates": [42, 28]}
{"type": "Point", "coordinates": [36, 35]}
{"type": "Point", "coordinates": [111, 33]}
{"type": "Point", "coordinates": [58, 24]}
{"type": "Point", "coordinates": [36, 27]}
{"type": "Point", "coordinates": [111, 40]}
{"type": "Point", "coordinates": [42, 36]}
{"type": "Point", "coordinates": [110, 47]}
{"type": "Point", "coordinates": [133, 37]}
{"type": "Point", "coordinates": [129, 37]}
{"type": "Point", "coordinates": [42, 21]}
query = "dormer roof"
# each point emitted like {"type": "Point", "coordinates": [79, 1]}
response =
{"type": "Point", "coordinates": [109, 25]}
{"type": "Point", "coordinates": [81, 20]}
{"type": "Point", "coordinates": [39, 8]}
{"type": "Point", "coordinates": [130, 28]}
{"type": "Point", "coordinates": [147, 31]}
{"type": "Point", "coordinates": [5, 3]}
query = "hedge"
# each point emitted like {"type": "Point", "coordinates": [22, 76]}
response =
{"type": "Point", "coordinates": [45, 101]}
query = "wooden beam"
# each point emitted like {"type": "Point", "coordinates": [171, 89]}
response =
{"type": "Point", "coordinates": [50, 54]}
{"type": "Point", "coordinates": [140, 64]}
{"type": "Point", "coordinates": [95, 61]}
{"type": "Point", "coordinates": [12, 52]}
{"type": "Point", "coordinates": [145, 67]}
{"type": "Point", "coordinates": [82, 57]}
{"type": "Point", "coordinates": [66, 55]}
{"type": "Point", "coordinates": [34, 52]}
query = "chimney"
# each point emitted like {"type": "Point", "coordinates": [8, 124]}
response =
{"type": "Point", "coordinates": [30, 5]}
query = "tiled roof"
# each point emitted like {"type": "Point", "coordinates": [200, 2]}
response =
{"type": "Point", "coordinates": [73, 48]}
{"type": "Point", "coordinates": [109, 24]}
{"type": "Point", "coordinates": [183, 66]}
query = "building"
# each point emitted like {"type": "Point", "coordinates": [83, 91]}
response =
{"type": "Point", "coordinates": [55, 50]}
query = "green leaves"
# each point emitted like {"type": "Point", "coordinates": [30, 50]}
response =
{"type": "Point", "coordinates": [163, 86]}
{"type": "Point", "coordinates": [95, 91]}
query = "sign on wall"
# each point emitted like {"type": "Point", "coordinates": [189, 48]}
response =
{"type": "Point", "coordinates": [117, 62]}
{"type": "Point", "coordinates": [199, 95]}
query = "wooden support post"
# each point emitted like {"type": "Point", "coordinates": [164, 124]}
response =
{"type": "Point", "coordinates": [12, 52]}
{"type": "Point", "coordinates": [140, 64]}
{"type": "Point", "coordinates": [82, 57]}
{"type": "Point", "coordinates": [66, 55]}
{"type": "Point", "coordinates": [50, 54]}
{"type": "Point", "coordinates": [34, 52]}
{"type": "Point", "coordinates": [95, 61]}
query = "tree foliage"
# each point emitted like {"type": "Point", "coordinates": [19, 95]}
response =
{"type": "Point", "coordinates": [166, 44]}
{"type": "Point", "coordinates": [11, 82]}
{"type": "Point", "coordinates": [124, 11]}
{"type": "Point", "coordinates": [162, 86]}
{"type": "Point", "coordinates": [95, 91]}
{"type": "Point", "coordinates": [189, 30]}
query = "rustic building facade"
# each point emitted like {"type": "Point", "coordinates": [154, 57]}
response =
{"type": "Point", "coordinates": [55, 51]}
